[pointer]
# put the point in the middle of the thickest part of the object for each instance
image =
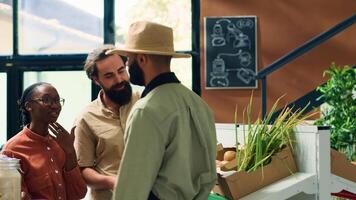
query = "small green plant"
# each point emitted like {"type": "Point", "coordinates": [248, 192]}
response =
{"type": "Point", "coordinates": [339, 93]}
{"type": "Point", "coordinates": [263, 139]}
{"type": "Point", "coordinates": [338, 198]}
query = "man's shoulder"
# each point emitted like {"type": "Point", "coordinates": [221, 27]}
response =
{"type": "Point", "coordinates": [135, 97]}
{"type": "Point", "coordinates": [173, 96]}
{"type": "Point", "coordinates": [92, 108]}
{"type": "Point", "coordinates": [169, 93]}
{"type": "Point", "coordinates": [158, 102]}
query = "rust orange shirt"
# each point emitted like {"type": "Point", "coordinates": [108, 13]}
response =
{"type": "Point", "coordinates": [42, 167]}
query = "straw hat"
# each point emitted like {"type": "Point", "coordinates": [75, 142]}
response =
{"type": "Point", "coordinates": [149, 38]}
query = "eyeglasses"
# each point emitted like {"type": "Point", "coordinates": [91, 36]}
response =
{"type": "Point", "coordinates": [49, 101]}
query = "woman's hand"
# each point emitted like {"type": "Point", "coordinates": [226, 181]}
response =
{"type": "Point", "coordinates": [64, 139]}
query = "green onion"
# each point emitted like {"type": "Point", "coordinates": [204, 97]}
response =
{"type": "Point", "coordinates": [262, 139]}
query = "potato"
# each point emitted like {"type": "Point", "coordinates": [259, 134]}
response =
{"type": "Point", "coordinates": [217, 163]}
{"type": "Point", "coordinates": [229, 155]}
{"type": "Point", "coordinates": [220, 163]}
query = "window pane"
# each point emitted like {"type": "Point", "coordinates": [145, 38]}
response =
{"type": "Point", "coordinates": [5, 27]}
{"type": "Point", "coordinates": [173, 13]}
{"type": "Point", "coordinates": [3, 121]}
{"type": "Point", "coordinates": [57, 27]}
{"type": "Point", "coordinates": [73, 86]}
{"type": "Point", "coordinates": [182, 67]}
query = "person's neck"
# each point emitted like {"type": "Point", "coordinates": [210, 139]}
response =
{"type": "Point", "coordinates": [39, 128]}
{"type": "Point", "coordinates": [151, 74]}
{"type": "Point", "coordinates": [109, 104]}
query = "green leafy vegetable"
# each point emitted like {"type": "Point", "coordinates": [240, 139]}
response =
{"type": "Point", "coordinates": [339, 94]}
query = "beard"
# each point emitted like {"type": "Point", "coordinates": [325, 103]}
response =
{"type": "Point", "coordinates": [121, 97]}
{"type": "Point", "coordinates": [136, 74]}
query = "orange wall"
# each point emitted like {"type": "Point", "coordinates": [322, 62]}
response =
{"type": "Point", "coordinates": [283, 25]}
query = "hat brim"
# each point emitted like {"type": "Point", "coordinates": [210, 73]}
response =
{"type": "Point", "coordinates": [125, 52]}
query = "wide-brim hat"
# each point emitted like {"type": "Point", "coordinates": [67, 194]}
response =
{"type": "Point", "coordinates": [149, 38]}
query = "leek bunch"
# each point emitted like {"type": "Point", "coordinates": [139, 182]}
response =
{"type": "Point", "coordinates": [262, 139]}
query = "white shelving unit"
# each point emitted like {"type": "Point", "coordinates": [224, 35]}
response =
{"type": "Point", "coordinates": [285, 188]}
{"type": "Point", "coordinates": [312, 155]}
{"type": "Point", "coordinates": [338, 183]}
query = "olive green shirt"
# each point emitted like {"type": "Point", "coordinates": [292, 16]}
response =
{"type": "Point", "coordinates": [170, 147]}
{"type": "Point", "coordinates": [99, 139]}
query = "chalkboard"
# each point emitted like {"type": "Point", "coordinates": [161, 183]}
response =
{"type": "Point", "coordinates": [230, 52]}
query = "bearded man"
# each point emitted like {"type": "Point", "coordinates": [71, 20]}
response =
{"type": "Point", "coordinates": [100, 126]}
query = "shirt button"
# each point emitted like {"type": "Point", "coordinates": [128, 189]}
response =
{"type": "Point", "coordinates": [60, 184]}
{"type": "Point", "coordinates": [59, 197]}
{"type": "Point", "coordinates": [56, 171]}
{"type": "Point", "coordinates": [51, 159]}
{"type": "Point", "coordinates": [48, 148]}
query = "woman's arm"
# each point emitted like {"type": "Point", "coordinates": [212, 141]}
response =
{"type": "Point", "coordinates": [76, 188]}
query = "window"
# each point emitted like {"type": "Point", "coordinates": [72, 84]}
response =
{"type": "Point", "coordinates": [57, 27]}
{"type": "Point", "coordinates": [73, 86]}
{"type": "Point", "coordinates": [6, 27]}
{"type": "Point", "coordinates": [53, 38]}
{"type": "Point", "coordinates": [3, 121]}
{"type": "Point", "coordinates": [175, 14]}
{"type": "Point", "coordinates": [172, 13]}
{"type": "Point", "coordinates": [182, 67]}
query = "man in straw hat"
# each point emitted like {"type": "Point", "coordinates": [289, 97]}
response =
{"type": "Point", "coordinates": [170, 135]}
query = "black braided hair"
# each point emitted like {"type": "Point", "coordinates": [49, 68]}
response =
{"type": "Point", "coordinates": [27, 96]}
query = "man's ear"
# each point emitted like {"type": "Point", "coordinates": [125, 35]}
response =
{"type": "Point", "coordinates": [142, 59]}
{"type": "Point", "coordinates": [95, 80]}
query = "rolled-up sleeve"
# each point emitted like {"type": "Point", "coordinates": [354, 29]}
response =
{"type": "Point", "coordinates": [84, 144]}
{"type": "Point", "coordinates": [75, 187]}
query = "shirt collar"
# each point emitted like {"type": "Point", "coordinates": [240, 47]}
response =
{"type": "Point", "coordinates": [106, 111]}
{"type": "Point", "coordinates": [164, 78]}
{"type": "Point", "coordinates": [100, 101]}
{"type": "Point", "coordinates": [35, 136]}
{"type": "Point", "coordinates": [102, 106]}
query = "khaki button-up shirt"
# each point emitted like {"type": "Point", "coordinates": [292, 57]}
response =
{"type": "Point", "coordinates": [99, 139]}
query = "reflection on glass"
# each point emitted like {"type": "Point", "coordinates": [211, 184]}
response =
{"type": "Point", "coordinates": [3, 121]}
{"type": "Point", "coordinates": [172, 13]}
{"type": "Point", "coordinates": [182, 67]}
{"type": "Point", "coordinates": [5, 27]}
{"type": "Point", "coordinates": [57, 27]}
{"type": "Point", "coordinates": [73, 86]}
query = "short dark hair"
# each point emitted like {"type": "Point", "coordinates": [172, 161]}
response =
{"type": "Point", "coordinates": [97, 55]}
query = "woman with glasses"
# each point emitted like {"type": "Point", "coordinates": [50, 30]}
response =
{"type": "Point", "coordinates": [49, 165]}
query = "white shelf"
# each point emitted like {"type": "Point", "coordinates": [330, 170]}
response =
{"type": "Point", "coordinates": [286, 187]}
{"type": "Point", "coordinates": [312, 156]}
{"type": "Point", "coordinates": [338, 183]}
